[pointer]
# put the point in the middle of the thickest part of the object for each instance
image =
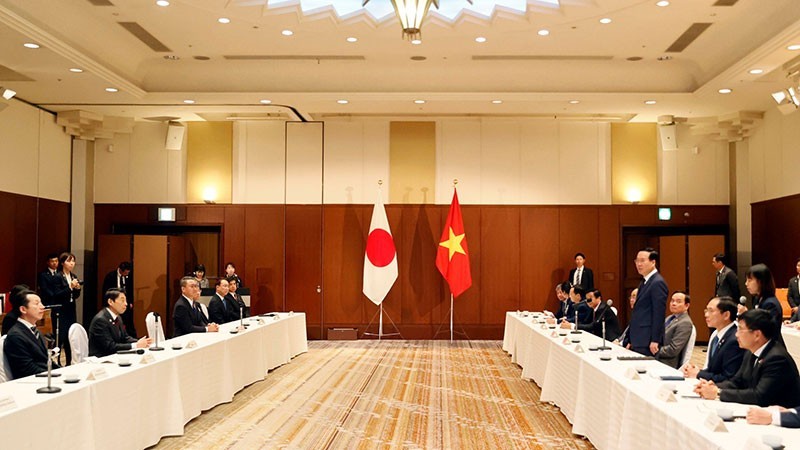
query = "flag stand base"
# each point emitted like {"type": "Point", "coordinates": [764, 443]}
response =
{"type": "Point", "coordinates": [380, 332]}
{"type": "Point", "coordinates": [460, 332]}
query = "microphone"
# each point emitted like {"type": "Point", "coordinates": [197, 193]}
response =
{"type": "Point", "coordinates": [743, 300]}
{"type": "Point", "coordinates": [137, 351]}
{"type": "Point", "coordinates": [155, 347]}
{"type": "Point", "coordinates": [609, 302]}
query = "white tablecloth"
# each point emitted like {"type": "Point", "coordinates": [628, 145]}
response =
{"type": "Point", "coordinates": [614, 411]}
{"type": "Point", "coordinates": [134, 407]}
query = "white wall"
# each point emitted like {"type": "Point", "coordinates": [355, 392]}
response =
{"type": "Point", "coordinates": [35, 152]}
{"type": "Point", "coordinates": [774, 157]}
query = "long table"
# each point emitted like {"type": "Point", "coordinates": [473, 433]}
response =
{"type": "Point", "coordinates": [134, 407]}
{"type": "Point", "coordinates": [603, 403]}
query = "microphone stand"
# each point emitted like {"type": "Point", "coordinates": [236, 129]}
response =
{"type": "Point", "coordinates": [155, 346]}
{"type": "Point", "coordinates": [603, 323]}
{"type": "Point", "coordinates": [49, 389]}
{"type": "Point", "coordinates": [576, 330]}
{"type": "Point", "coordinates": [241, 318]}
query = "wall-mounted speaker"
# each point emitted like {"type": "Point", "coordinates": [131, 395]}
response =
{"type": "Point", "coordinates": [668, 136]}
{"type": "Point", "coordinates": [175, 132]}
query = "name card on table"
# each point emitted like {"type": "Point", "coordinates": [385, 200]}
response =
{"type": "Point", "coordinates": [191, 344]}
{"type": "Point", "coordinates": [7, 403]}
{"type": "Point", "coordinates": [579, 349]}
{"type": "Point", "coordinates": [544, 326]}
{"type": "Point", "coordinates": [632, 374]}
{"type": "Point", "coordinates": [566, 341]}
{"type": "Point", "coordinates": [553, 334]}
{"type": "Point", "coordinates": [147, 358]}
{"type": "Point", "coordinates": [666, 394]}
{"type": "Point", "coordinates": [98, 373]}
{"type": "Point", "coordinates": [714, 423]}
{"type": "Point", "coordinates": [260, 321]}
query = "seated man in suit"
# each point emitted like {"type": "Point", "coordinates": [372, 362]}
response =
{"type": "Point", "coordinates": [577, 294]}
{"type": "Point", "coordinates": [632, 302]}
{"type": "Point", "coordinates": [107, 333]}
{"type": "Point", "coordinates": [677, 331]}
{"type": "Point", "coordinates": [25, 347]}
{"type": "Point", "coordinates": [187, 315]}
{"type": "Point", "coordinates": [236, 299]}
{"type": "Point", "coordinates": [774, 415]}
{"type": "Point", "coordinates": [565, 306]}
{"type": "Point", "coordinates": [221, 309]}
{"type": "Point", "coordinates": [768, 374]}
{"type": "Point", "coordinates": [724, 356]}
{"type": "Point", "coordinates": [600, 312]}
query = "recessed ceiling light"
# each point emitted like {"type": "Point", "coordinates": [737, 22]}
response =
{"type": "Point", "coordinates": [416, 41]}
{"type": "Point", "coordinates": [111, 89]}
{"type": "Point", "coordinates": [497, 102]}
{"type": "Point", "coordinates": [265, 101]}
{"type": "Point", "coordinates": [793, 47]}
{"type": "Point", "coordinates": [419, 102]}
{"type": "Point", "coordinates": [162, 3]}
{"type": "Point", "coordinates": [224, 20]}
{"type": "Point", "coordinates": [756, 71]}
{"type": "Point", "coordinates": [480, 39]}
{"type": "Point", "coordinates": [543, 32]}
{"type": "Point", "coordinates": [662, 3]}
{"type": "Point", "coordinates": [76, 70]}
{"type": "Point", "coordinates": [725, 91]}
{"type": "Point", "coordinates": [30, 45]}
{"type": "Point", "coordinates": [605, 20]}
{"type": "Point", "coordinates": [188, 101]}
{"type": "Point", "coordinates": [649, 102]}
{"type": "Point", "coordinates": [664, 58]}
{"type": "Point", "coordinates": [287, 32]}
{"type": "Point", "coordinates": [342, 102]}
{"type": "Point", "coordinates": [352, 39]}
{"type": "Point", "coordinates": [574, 102]}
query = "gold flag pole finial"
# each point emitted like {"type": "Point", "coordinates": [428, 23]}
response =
{"type": "Point", "coordinates": [455, 182]}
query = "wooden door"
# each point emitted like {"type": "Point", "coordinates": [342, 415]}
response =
{"type": "Point", "coordinates": [702, 278]}
{"type": "Point", "coordinates": [176, 263]}
{"type": "Point", "coordinates": [112, 250]}
{"type": "Point", "coordinates": [150, 283]}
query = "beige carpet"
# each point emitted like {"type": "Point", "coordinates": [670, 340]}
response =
{"type": "Point", "coordinates": [389, 394]}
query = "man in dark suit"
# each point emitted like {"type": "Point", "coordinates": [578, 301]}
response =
{"type": "Point", "coordinates": [646, 328]}
{"type": "Point", "coordinates": [724, 354]}
{"type": "Point", "coordinates": [25, 347]}
{"type": "Point", "coordinates": [187, 315]}
{"type": "Point", "coordinates": [120, 279]}
{"type": "Point", "coordinates": [49, 279]}
{"type": "Point", "coordinates": [107, 334]}
{"type": "Point", "coordinates": [727, 283]}
{"type": "Point", "coordinates": [793, 294]}
{"type": "Point", "coordinates": [678, 329]}
{"type": "Point", "coordinates": [584, 312]}
{"type": "Point", "coordinates": [236, 299]}
{"type": "Point", "coordinates": [565, 306]}
{"type": "Point", "coordinates": [581, 275]}
{"type": "Point", "coordinates": [768, 374]}
{"type": "Point", "coordinates": [221, 309]}
{"type": "Point", "coordinates": [599, 314]}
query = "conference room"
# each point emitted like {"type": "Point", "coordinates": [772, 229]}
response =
{"type": "Point", "coordinates": [401, 199]}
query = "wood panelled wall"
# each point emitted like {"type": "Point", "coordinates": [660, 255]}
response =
{"type": "Point", "coordinates": [30, 228]}
{"type": "Point", "coordinates": [775, 226]}
{"type": "Point", "coordinates": [517, 255]}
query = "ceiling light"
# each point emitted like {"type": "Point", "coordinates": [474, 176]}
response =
{"type": "Point", "coordinates": [419, 102]}
{"type": "Point", "coordinates": [543, 32]}
{"type": "Point", "coordinates": [756, 71]}
{"type": "Point", "coordinates": [188, 101]}
{"type": "Point", "coordinates": [725, 91]}
{"type": "Point", "coordinates": [793, 47]}
{"type": "Point", "coordinates": [416, 41]}
{"type": "Point", "coordinates": [780, 97]}
{"type": "Point", "coordinates": [265, 101]}
{"type": "Point", "coordinates": [497, 102]}
{"type": "Point", "coordinates": [649, 102]}
{"type": "Point", "coordinates": [342, 102]}
{"type": "Point", "coordinates": [7, 94]}
{"type": "Point", "coordinates": [224, 20]}
{"type": "Point", "coordinates": [411, 14]}
{"type": "Point", "coordinates": [352, 39]}
{"type": "Point", "coordinates": [76, 70]}
{"type": "Point", "coordinates": [574, 102]}
{"type": "Point", "coordinates": [112, 89]}
{"type": "Point", "coordinates": [662, 3]}
{"type": "Point", "coordinates": [30, 45]}
{"type": "Point", "coordinates": [287, 32]}
{"type": "Point", "coordinates": [480, 39]}
{"type": "Point", "coordinates": [162, 3]}
{"type": "Point", "coordinates": [793, 94]}
{"type": "Point", "coordinates": [605, 20]}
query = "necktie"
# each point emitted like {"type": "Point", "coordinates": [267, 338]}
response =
{"type": "Point", "coordinates": [669, 320]}
{"type": "Point", "coordinates": [712, 350]}
{"type": "Point", "coordinates": [224, 304]}
{"type": "Point", "coordinates": [578, 276]}
{"type": "Point", "coordinates": [38, 337]}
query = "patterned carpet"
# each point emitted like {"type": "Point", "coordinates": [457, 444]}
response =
{"type": "Point", "coordinates": [389, 394]}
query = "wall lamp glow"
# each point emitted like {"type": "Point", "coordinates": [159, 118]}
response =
{"type": "Point", "coordinates": [634, 196]}
{"type": "Point", "coordinates": [210, 195]}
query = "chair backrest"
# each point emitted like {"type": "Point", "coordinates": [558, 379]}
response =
{"type": "Point", "coordinates": [205, 310]}
{"type": "Point", "coordinates": [687, 352]}
{"type": "Point", "coordinates": [150, 321]}
{"type": "Point", "coordinates": [614, 310]}
{"type": "Point", "coordinates": [5, 370]}
{"type": "Point", "coordinates": [783, 298]}
{"type": "Point", "coordinates": [79, 342]}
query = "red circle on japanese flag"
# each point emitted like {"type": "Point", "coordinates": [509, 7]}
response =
{"type": "Point", "coordinates": [380, 248]}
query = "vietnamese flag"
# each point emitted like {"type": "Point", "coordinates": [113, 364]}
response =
{"type": "Point", "coordinates": [452, 258]}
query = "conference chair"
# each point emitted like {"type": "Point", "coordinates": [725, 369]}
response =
{"type": "Point", "coordinates": [687, 352]}
{"type": "Point", "coordinates": [150, 321]}
{"type": "Point", "coordinates": [79, 341]}
{"type": "Point", "coordinates": [205, 310]}
{"type": "Point", "coordinates": [5, 370]}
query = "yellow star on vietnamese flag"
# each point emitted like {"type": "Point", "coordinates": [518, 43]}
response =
{"type": "Point", "coordinates": [453, 244]}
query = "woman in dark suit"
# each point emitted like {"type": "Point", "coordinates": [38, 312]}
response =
{"type": "Point", "coordinates": [65, 292]}
{"type": "Point", "coordinates": [761, 286]}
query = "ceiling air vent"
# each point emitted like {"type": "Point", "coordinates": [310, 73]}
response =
{"type": "Point", "coordinates": [725, 2]}
{"type": "Point", "coordinates": [688, 36]}
{"type": "Point", "coordinates": [145, 36]}
{"type": "Point", "coordinates": [541, 58]}
{"type": "Point", "coordinates": [295, 57]}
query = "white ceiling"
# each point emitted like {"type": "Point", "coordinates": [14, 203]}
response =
{"type": "Point", "coordinates": [581, 59]}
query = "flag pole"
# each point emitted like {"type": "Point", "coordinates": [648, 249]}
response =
{"type": "Point", "coordinates": [451, 317]}
{"type": "Point", "coordinates": [380, 324]}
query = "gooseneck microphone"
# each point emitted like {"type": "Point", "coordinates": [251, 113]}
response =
{"type": "Point", "coordinates": [155, 346]}
{"type": "Point", "coordinates": [136, 351]}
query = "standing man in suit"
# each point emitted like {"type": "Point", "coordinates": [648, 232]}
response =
{"type": "Point", "coordinates": [727, 283]}
{"type": "Point", "coordinates": [599, 314]}
{"type": "Point", "coordinates": [646, 328]}
{"type": "Point", "coordinates": [121, 279]}
{"type": "Point", "coordinates": [187, 315]}
{"type": "Point", "coordinates": [677, 331]}
{"type": "Point", "coordinates": [220, 308]}
{"type": "Point", "coordinates": [581, 275]}
{"type": "Point", "coordinates": [48, 279]}
{"type": "Point", "coordinates": [768, 374]}
{"type": "Point", "coordinates": [793, 294]}
{"type": "Point", "coordinates": [724, 356]}
{"type": "Point", "coordinates": [25, 347]}
{"type": "Point", "coordinates": [107, 334]}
